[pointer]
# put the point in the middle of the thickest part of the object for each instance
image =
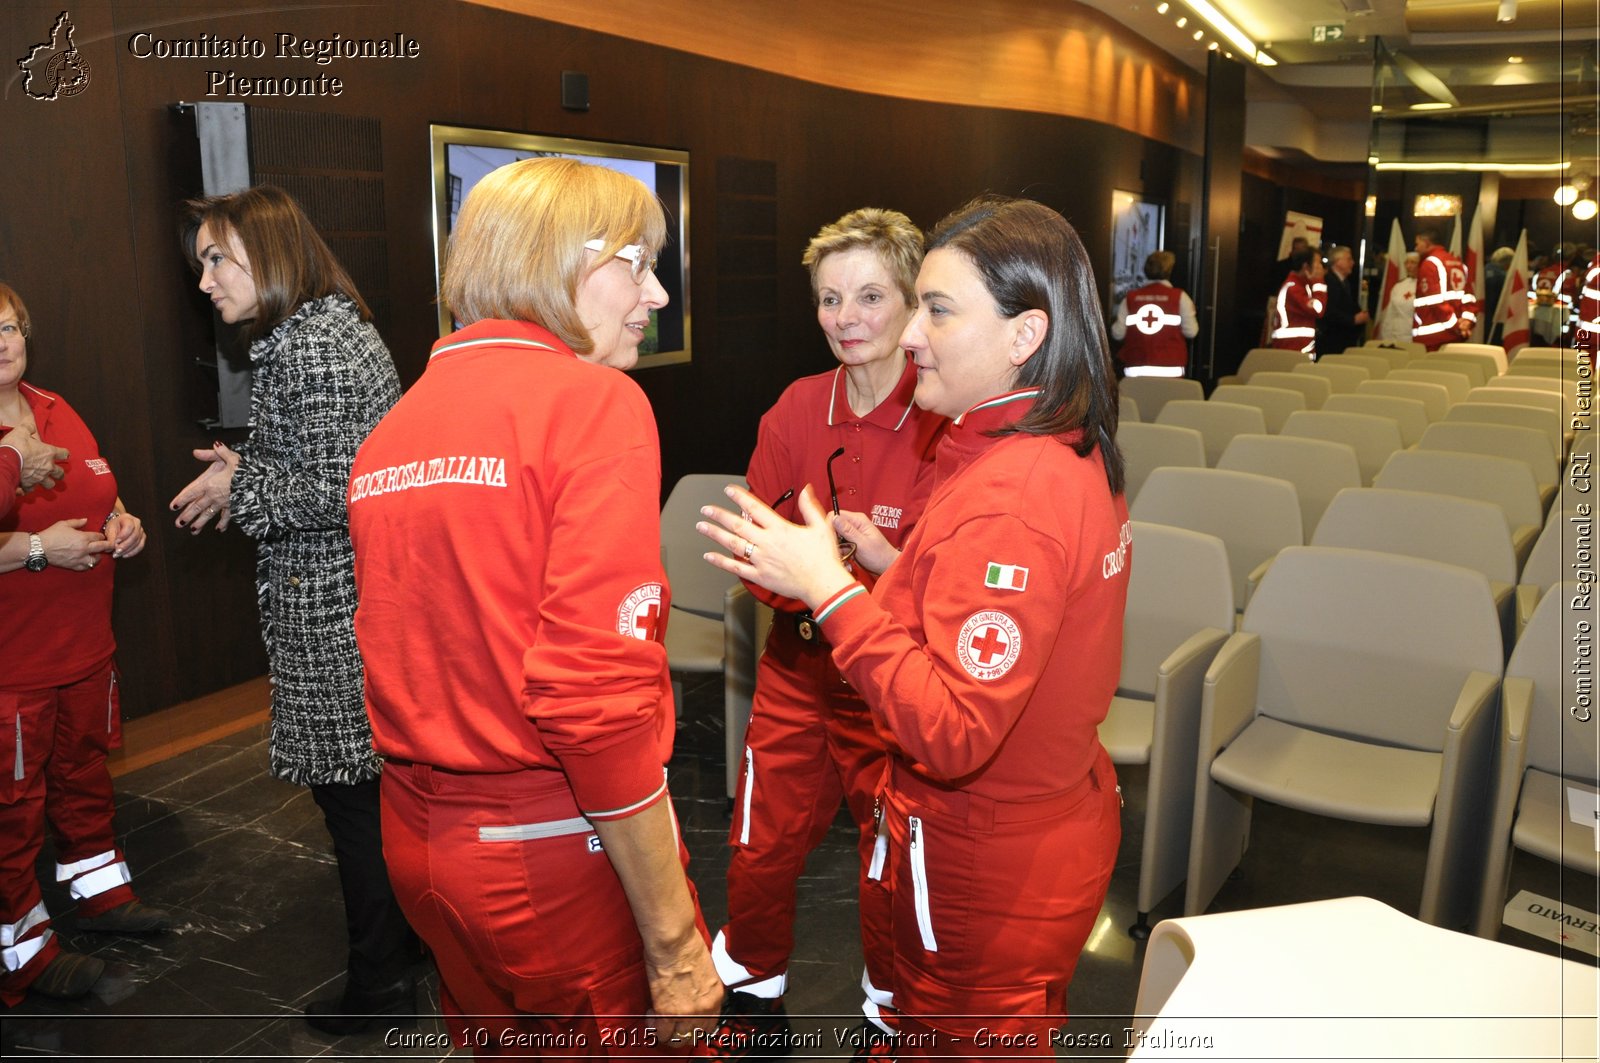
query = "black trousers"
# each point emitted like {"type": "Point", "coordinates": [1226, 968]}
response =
{"type": "Point", "coordinates": [382, 943]}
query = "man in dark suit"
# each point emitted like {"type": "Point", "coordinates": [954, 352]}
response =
{"type": "Point", "coordinates": [1343, 322]}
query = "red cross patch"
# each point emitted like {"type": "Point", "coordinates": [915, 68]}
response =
{"type": "Point", "coordinates": [639, 615]}
{"type": "Point", "coordinates": [989, 644]}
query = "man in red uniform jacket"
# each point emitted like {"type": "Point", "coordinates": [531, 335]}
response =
{"type": "Point", "coordinates": [1439, 316]}
{"type": "Point", "coordinates": [1299, 304]}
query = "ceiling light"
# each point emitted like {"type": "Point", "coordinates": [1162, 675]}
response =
{"type": "Point", "coordinates": [1431, 105]}
{"type": "Point", "coordinates": [1436, 205]}
{"type": "Point", "coordinates": [1372, 206]}
{"type": "Point", "coordinates": [1161, 8]}
{"type": "Point", "coordinates": [1566, 196]}
{"type": "Point", "coordinates": [1507, 11]}
{"type": "Point", "coordinates": [1513, 59]}
{"type": "Point", "coordinates": [1183, 20]}
{"type": "Point", "coordinates": [1212, 46]}
{"type": "Point", "coordinates": [1471, 166]}
{"type": "Point", "coordinates": [1584, 209]}
{"type": "Point", "coordinates": [1198, 34]}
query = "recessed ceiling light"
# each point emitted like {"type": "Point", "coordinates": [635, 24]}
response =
{"type": "Point", "coordinates": [1198, 34]}
{"type": "Point", "coordinates": [1212, 46]}
{"type": "Point", "coordinates": [1431, 105]}
{"type": "Point", "coordinates": [1513, 59]}
{"type": "Point", "coordinates": [1161, 8]}
{"type": "Point", "coordinates": [1183, 20]}
{"type": "Point", "coordinates": [1584, 209]}
{"type": "Point", "coordinates": [1566, 195]}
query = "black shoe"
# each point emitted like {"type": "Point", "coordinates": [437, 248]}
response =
{"type": "Point", "coordinates": [131, 917]}
{"type": "Point", "coordinates": [751, 1027]}
{"type": "Point", "coordinates": [365, 1010]}
{"type": "Point", "coordinates": [69, 976]}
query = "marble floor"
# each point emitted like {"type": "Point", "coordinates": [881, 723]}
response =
{"type": "Point", "coordinates": [244, 863]}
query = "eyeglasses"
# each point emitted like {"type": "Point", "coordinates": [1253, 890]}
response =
{"type": "Point", "coordinates": [639, 260]}
{"type": "Point", "coordinates": [847, 549]}
{"type": "Point", "coordinates": [10, 331]}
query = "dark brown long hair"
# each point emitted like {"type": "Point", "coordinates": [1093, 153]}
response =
{"type": "Point", "coordinates": [289, 261]}
{"type": "Point", "coordinates": [1030, 258]}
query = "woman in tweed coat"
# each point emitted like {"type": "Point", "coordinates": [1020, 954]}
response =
{"type": "Point", "coordinates": [322, 378]}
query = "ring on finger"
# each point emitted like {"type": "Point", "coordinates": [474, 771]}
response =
{"type": "Point", "coordinates": [749, 549]}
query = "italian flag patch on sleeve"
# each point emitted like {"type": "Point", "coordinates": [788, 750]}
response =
{"type": "Point", "coordinates": [1006, 577]}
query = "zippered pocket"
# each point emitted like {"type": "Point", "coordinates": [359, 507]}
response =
{"type": "Point", "coordinates": [919, 886]}
{"type": "Point", "coordinates": [880, 842]}
{"type": "Point", "coordinates": [749, 786]}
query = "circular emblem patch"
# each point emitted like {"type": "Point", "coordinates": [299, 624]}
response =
{"type": "Point", "coordinates": [639, 615]}
{"type": "Point", "coordinates": [988, 644]}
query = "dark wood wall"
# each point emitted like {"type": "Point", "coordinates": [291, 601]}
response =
{"type": "Point", "coordinates": [90, 185]}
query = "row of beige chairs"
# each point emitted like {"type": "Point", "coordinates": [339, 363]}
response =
{"type": "Point", "coordinates": [1358, 685]}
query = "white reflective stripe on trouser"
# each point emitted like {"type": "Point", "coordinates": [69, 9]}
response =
{"type": "Point", "coordinates": [880, 851]}
{"type": "Point", "coordinates": [749, 785]}
{"type": "Point", "coordinates": [1153, 370]}
{"type": "Point", "coordinates": [97, 882]}
{"type": "Point", "coordinates": [17, 957]}
{"type": "Point", "coordinates": [11, 933]}
{"type": "Point", "coordinates": [734, 974]}
{"type": "Point", "coordinates": [527, 832]}
{"type": "Point", "coordinates": [919, 886]}
{"type": "Point", "coordinates": [88, 863]}
{"type": "Point", "coordinates": [877, 1000]}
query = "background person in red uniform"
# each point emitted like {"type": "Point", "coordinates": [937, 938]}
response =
{"type": "Point", "coordinates": [58, 690]}
{"type": "Point", "coordinates": [1155, 323]}
{"type": "Point", "coordinates": [31, 462]}
{"type": "Point", "coordinates": [811, 738]}
{"type": "Point", "coordinates": [1299, 304]}
{"type": "Point", "coordinates": [506, 520]}
{"type": "Point", "coordinates": [1441, 287]}
{"type": "Point", "coordinates": [989, 649]}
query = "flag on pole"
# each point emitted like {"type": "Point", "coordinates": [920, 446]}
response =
{"type": "Point", "coordinates": [1394, 268]}
{"type": "Point", "coordinates": [1512, 313]}
{"type": "Point", "coordinates": [1474, 264]}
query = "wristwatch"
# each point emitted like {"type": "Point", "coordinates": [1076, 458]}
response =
{"type": "Point", "coordinates": [36, 560]}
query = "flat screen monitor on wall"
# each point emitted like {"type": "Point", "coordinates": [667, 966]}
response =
{"type": "Point", "coordinates": [462, 156]}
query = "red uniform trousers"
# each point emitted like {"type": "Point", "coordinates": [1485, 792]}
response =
{"type": "Point", "coordinates": [810, 742]}
{"type": "Point", "coordinates": [993, 901]}
{"type": "Point", "coordinates": [537, 948]}
{"type": "Point", "coordinates": [61, 736]}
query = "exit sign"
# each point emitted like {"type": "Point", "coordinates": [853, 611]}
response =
{"type": "Point", "coordinates": [1334, 31]}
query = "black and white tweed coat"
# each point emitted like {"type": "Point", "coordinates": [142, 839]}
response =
{"type": "Point", "coordinates": [322, 380]}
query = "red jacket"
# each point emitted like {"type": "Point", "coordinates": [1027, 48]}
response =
{"type": "Point", "coordinates": [1295, 312]}
{"type": "Point", "coordinates": [990, 650]}
{"type": "Point", "coordinates": [55, 625]}
{"type": "Point", "coordinates": [1438, 310]}
{"type": "Point", "coordinates": [506, 522]}
{"type": "Point", "coordinates": [1154, 324]}
{"type": "Point", "coordinates": [10, 477]}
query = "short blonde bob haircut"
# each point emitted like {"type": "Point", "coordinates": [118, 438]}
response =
{"type": "Point", "coordinates": [517, 250]}
{"type": "Point", "coordinates": [888, 232]}
{"type": "Point", "coordinates": [10, 300]}
{"type": "Point", "coordinates": [1158, 266]}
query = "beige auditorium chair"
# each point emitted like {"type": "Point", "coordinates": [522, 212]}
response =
{"type": "Point", "coordinates": [1377, 367]}
{"type": "Point", "coordinates": [1435, 398]}
{"type": "Point", "coordinates": [1409, 348]}
{"type": "Point", "coordinates": [1179, 612]}
{"type": "Point", "coordinates": [1154, 392]}
{"type": "Point", "coordinates": [1127, 409]}
{"type": "Point", "coordinates": [1504, 482]}
{"type": "Point", "coordinates": [1566, 531]}
{"type": "Point", "coordinates": [746, 622]}
{"type": "Point", "coordinates": [1254, 516]}
{"type": "Point", "coordinates": [695, 623]}
{"type": "Point", "coordinates": [1275, 404]}
{"type": "Point", "coordinates": [1217, 422]}
{"type": "Point", "coordinates": [1318, 468]}
{"type": "Point", "coordinates": [1359, 686]}
{"type": "Point", "coordinates": [1372, 438]}
{"type": "Point", "coordinates": [1566, 388]}
{"type": "Point", "coordinates": [1499, 440]}
{"type": "Point", "coordinates": [1515, 390]}
{"type": "Point", "coordinates": [1536, 369]}
{"type": "Point", "coordinates": [1456, 382]}
{"type": "Point", "coordinates": [1544, 792]}
{"type": "Point", "coordinates": [1343, 379]}
{"type": "Point", "coordinates": [1259, 359]}
{"type": "Point", "coordinates": [1492, 351]}
{"type": "Point", "coordinates": [1316, 389]}
{"type": "Point", "coordinates": [1478, 368]}
{"type": "Point", "coordinates": [1410, 414]}
{"type": "Point", "coordinates": [1544, 356]}
{"type": "Point", "coordinates": [1544, 422]}
{"type": "Point", "coordinates": [1457, 531]}
{"type": "Point", "coordinates": [1146, 447]}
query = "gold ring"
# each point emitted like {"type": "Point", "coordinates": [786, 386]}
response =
{"type": "Point", "coordinates": [749, 549]}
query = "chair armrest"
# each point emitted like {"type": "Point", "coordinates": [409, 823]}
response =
{"type": "Point", "coordinates": [1228, 702]}
{"type": "Point", "coordinates": [1528, 596]}
{"type": "Point", "coordinates": [1253, 580]}
{"type": "Point", "coordinates": [1522, 540]}
{"type": "Point", "coordinates": [1196, 651]}
{"type": "Point", "coordinates": [1516, 704]}
{"type": "Point", "coordinates": [1477, 695]}
{"type": "Point", "coordinates": [1453, 885]}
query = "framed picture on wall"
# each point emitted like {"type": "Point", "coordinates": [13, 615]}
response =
{"type": "Point", "coordinates": [462, 156]}
{"type": "Point", "coordinates": [1137, 229]}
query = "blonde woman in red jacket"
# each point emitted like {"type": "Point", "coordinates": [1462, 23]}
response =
{"type": "Point", "coordinates": [989, 648]}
